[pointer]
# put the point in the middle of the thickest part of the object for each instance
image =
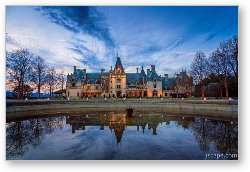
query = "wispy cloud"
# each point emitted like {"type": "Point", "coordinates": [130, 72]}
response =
{"type": "Point", "coordinates": [79, 19]}
{"type": "Point", "coordinates": [89, 37]}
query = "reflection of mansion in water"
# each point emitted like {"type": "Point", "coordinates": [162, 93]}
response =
{"type": "Point", "coordinates": [118, 83]}
{"type": "Point", "coordinates": [118, 122]}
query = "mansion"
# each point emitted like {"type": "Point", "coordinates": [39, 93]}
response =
{"type": "Point", "coordinates": [117, 83]}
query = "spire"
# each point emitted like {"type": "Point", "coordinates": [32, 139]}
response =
{"type": "Point", "coordinates": [142, 71]}
{"type": "Point", "coordinates": [118, 63]}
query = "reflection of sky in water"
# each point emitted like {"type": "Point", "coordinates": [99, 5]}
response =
{"type": "Point", "coordinates": [171, 142]}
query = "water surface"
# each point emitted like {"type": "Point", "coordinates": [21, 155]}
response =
{"type": "Point", "coordinates": [113, 136]}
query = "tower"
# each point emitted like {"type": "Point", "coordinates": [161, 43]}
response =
{"type": "Point", "coordinates": [117, 78]}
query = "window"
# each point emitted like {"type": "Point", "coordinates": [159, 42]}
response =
{"type": "Point", "coordinates": [154, 79]}
{"type": "Point", "coordinates": [77, 94]}
{"type": "Point", "coordinates": [68, 94]}
{"type": "Point", "coordinates": [118, 80]}
{"type": "Point", "coordinates": [118, 86]}
{"type": "Point", "coordinates": [166, 94]}
{"type": "Point", "coordinates": [88, 87]}
{"type": "Point", "coordinates": [73, 84]}
{"type": "Point", "coordinates": [154, 85]}
{"type": "Point", "coordinates": [96, 87]}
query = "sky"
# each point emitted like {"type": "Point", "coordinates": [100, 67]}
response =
{"type": "Point", "coordinates": [90, 37]}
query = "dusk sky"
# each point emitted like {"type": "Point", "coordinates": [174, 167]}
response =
{"type": "Point", "coordinates": [90, 37]}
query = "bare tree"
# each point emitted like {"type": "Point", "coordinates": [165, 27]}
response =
{"type": "Point", "coordinates": [216, 68]}
{"type": "Point", "coordinates": [199, 70]}
{"type": "Point", "coordinates": [39, 72]}
{"type": "Point", "coordinates": [51, 79]}
{"type": "Point", "coordinates": [226, 54]}
{"type": "Point", "coordinates": [19, 65]}
{"type": "Point", "coordinates": [224, 62]}
{"type": "Point", "coordinates": [233, 55]}
{"type": "Point", "coordinates": [61, 77]}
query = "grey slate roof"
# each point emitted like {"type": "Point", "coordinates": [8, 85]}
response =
{"type": "Point", "coordinates": [132, 78]}
{"type": "Point", "coordinates": [168, 83]}
{"type": "Point", "coordinates": [153, 75]}
{"type": "Point", "coordinates": [94, 78]}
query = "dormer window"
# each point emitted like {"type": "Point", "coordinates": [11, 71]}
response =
{"type": "Point", "coordinates": [154, 79]}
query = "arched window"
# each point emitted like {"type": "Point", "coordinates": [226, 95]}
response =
{"type": "Point", "coordinates": [154, 79]}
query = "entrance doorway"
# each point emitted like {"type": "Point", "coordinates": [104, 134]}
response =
{"type": "Point", "coordinates": [119, 94]}
{"type": "Point", "coordinates": [155, 93]}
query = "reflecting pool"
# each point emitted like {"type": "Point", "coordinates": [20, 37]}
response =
{"type": "Point", "coordinates": [113, 136]}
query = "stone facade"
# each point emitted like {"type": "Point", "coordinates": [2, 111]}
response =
{"type": "Point", "coordinates": [117, 83]}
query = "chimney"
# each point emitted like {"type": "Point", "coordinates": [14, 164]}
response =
{"type": "Point", "coordinates": [148, 71]}
{"type": "Point", "coordinates": [84, 74]}
{"type": "Point", "coordinates": [153, 67]}
{"type": "Point", "coordinates": [137, 70]}
{"type": "Point", "coordinates": [166, 76]}
{"type": "Point", "coordinates": [102, 71]}
{"type": "Point", "coordinates": [74, 68]}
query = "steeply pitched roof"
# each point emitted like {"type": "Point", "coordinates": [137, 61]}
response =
{"type": "Point", "coordinates": [78, 75]}
{"type": "Point", "coordinates": [94, 78]}
{"type": "Point", "coordinates": [153, 75]}
{"type": "Point", "coordinates": [131, 78]}
{"type": "Point", "coordinates": [168, 83]}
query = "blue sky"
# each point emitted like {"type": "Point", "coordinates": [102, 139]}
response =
{"type": "Point", "coordinates": [90, 37]}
